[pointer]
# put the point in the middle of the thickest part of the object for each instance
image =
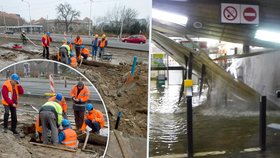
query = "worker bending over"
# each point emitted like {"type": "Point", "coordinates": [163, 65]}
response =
{"type": "Point", "coordinates": [64, 54]}
{"type": "Point", "coordinates": [62, 102]}
{"type": "Point", "coordinates": [50, 118]}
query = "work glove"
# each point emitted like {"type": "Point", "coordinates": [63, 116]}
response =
{"type": "Point", "coordinates": [88, 129]}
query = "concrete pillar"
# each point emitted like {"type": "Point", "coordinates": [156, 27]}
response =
{"type": "Point", "coordinates": [246, 49]}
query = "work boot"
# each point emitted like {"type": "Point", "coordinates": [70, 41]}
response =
{"type": "Point", "coordinates": [15, 132]}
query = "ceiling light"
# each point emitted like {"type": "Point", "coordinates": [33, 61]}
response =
{"type": "Point", "coordinates": [170, 17]}
{"type": "Point", "coordinates": [268, 36]}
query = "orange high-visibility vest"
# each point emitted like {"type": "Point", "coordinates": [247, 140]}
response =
{"type": "Point", "coordinates": [78, 41]}
{"type": "Point", "coordinates": [74, 62]}
{"type": "Point", "coordinates": [83, 95]}
{"type": "Point", "coordinates": [47, 40]}
{"type": "Point", "coordinates": [70, 138]}
{"type": "Point", "coordinates": [10, 91]}
{"type": "Point", "coordinates": [102, 43]}
{"type": "Point", "coordinates": [85, 51]}
{"type": "Point", "coordinates": [94, 115]}
{"type": "Point", "coordinates": [63, 103]}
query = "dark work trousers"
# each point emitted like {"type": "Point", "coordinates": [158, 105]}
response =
{"type": "Point", "coordinates": [13, 116]}
{"type": "Point", "coordinates": [64, 115]}
{"type": "Point", "coordinates": [77, 47]}
{"type": "Point", "coordinates": [79, 113]}
{"type": "Point", "coordinates": [46, 52]}
{"type": "Point", "coordinates": [95, 126]}
{"type": "Point", "coordinates": [85, 56]}
{"type": "Point", "coordinates": [49, 122]}
{"type": "Point", "coordinates": [101, 52]}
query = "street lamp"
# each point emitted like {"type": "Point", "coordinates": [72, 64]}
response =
{"type": "Point", "coordinates": [29, 13]}
{"type": "Point", "coordinates": [89, 23]}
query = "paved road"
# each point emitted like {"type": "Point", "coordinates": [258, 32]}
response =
{"type": "Point", "coordinates": [112, 42]}
{"type": "Point", "coordinates": [39, 87]}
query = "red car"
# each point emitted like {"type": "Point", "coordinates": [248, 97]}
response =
{"type": "Point", "coordinates": [135, 39]}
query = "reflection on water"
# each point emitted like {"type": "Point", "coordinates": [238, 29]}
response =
{"type": "Point", "coordinates": [168, 125]}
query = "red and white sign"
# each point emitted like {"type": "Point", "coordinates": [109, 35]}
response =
{"type": "Point", "coordinates": [230, 13]}
{"type": "Point", "coordinates": [249, 14]}
{"type": "Point", "coordinates": [51, 83]}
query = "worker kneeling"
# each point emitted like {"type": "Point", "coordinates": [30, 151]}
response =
{"type": "Point", "coordinates": [68, 136]}
{"type": "Point", "coordinates": [85, 52]}
{"type": "Point", "coordinates": [94, 119]}
{"type": "Point", "coordinates": [73, 61]}
{"type": "Point", "coordinates": [50, 118]}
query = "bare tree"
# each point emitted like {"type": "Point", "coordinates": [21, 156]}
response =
{"type": "Point", "coordinates": [66, 14]}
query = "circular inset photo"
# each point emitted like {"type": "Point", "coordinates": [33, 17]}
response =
{"type": "Point", "coordinates": [50, 110]}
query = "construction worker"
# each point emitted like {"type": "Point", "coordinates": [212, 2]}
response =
{"type": "Point", "coordinates": [70, 45]}
{"type": "Point", "coordinates": [23, 37]}
{"type": "Point", "coordinates": [50, 118]}
{"type": "Point", "coordinates": [73, 61]}
{"type": "Point", "coordinates": [95, 43]}
{"type": "Point", "coordinates": [46, 40]}
{"type": "Point", "coordinates": [64, 54]}
{"type": "Point", "coordinates": [11, 90]}
{"type": "Point", "coordinates": [68, 137]}
{"type": "Point", "coordinates": [78, 42]}
{"type": "Point", "coordinates": [102, 44]}
{"type": "Point", "coordinates": [61, 100]}
{"type": "Point", "coordinates": [80, 95]}
{"type": "Point", "coordinates": [94, 119]}
{"type": "Point", "coordinates": [84, 52]}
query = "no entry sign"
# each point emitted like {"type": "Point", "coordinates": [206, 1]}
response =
{"type": "Point", "coordinates": [249, 14]}
{"type": "Point", "coordinates": [230, 13]}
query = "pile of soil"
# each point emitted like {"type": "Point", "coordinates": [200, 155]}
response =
{"type": "Point", "coordinates": [119, 96]}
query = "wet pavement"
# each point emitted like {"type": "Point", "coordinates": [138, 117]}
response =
{"type": "Point", "coordinates": [212, 132]}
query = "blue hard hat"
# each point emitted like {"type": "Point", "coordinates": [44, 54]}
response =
{"type": "Point", "coordinates": [65, 122]}
{"type": "Point", "coordinates": [68, 42]}
{"type": "Point", "coordinates": [71, 54]}
{"type": "Point", "coordinates": [58, 96]}
{"type": "Point", "coordinates": [48, 33]}
{"type": "Point", "coordinates": [15, 77]}
{"type": "Point", "coordinates": [89, 107]}
{"type": "Point", "coordinates": [82, 46]}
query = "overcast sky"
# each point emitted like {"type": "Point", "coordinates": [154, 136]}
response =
{"type": "Point", "coordinates": [44, 8]}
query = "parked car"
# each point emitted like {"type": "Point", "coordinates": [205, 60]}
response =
{"type": "Point", "coordinates": [135, 39]}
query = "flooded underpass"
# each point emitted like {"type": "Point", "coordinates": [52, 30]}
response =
{"type": "Point", "coordinates": [213, 131]}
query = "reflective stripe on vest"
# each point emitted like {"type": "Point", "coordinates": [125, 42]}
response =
{"type": "Point", "coordinates": [83, 92]}
{"type": "Point", "coordinates": [70, 138]}
{"type": "Point", "coordinates": [10, 91]}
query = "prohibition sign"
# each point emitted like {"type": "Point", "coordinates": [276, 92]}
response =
{"type": "Point", "coordinates": [230, 13]}
{"type": "Point", "coordinates": [250, 14]}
